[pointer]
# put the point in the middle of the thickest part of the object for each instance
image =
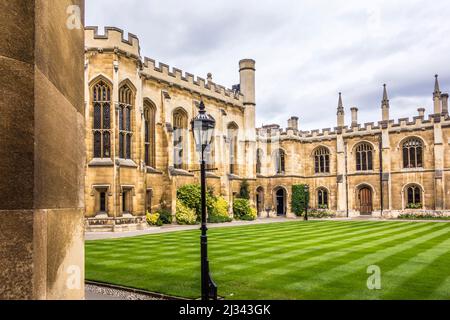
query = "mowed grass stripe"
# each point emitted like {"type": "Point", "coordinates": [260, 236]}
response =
{"type": "Point", "coordinates": [391, 266]}
{"type": "Point", "coordinates": [361, 263]}
{"type": "Point", "coordinates": [404, 275]}
{"type": "Point", "coordinates": [313, 238]}
{"type": "Point", "coordinates": [169, 263]}
{"type": "Point", "coordinates": [314, 232]}
{"type": "Point", "coordinates": [307, 266]}
{"type": "Point", "coordinates": [320, 246]}
{"type": "Point", "coordinates": [117, 252]}
{"type": "Point", "coordinates": [442, 291]}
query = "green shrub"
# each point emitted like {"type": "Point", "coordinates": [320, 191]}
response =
{"type": "Point", "coordinates": [165, 216]}
{"type": "Point", "coordinates": [320, 214]}
{"type": "Point", "coordinates": [300, 198]}
{"type": "Point", "coordinates": [414, 206]}
{"type": "Point", "coordinates": [190, 196]}
{"type": "Point", "coordinates": [427, 216]}
{"type": "Point", "coordinates": [185, 215]}
{"type": "Point", "coordinates": [244, 192]}
{"type": "Point", "coordinates": [219, 212]}
{"type": "Point", "coordinates": [242, 210]}
{"type": "Point", "coordinates": [153, 219]}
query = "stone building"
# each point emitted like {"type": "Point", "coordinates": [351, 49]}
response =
{"type": "Point", "coordinates": [140, 148]}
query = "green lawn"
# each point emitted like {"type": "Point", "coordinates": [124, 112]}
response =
{"type": "Point", "coordinates": [291, 260]}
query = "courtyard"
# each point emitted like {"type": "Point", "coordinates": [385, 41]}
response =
{"type": "Point", "coordinates": [289, 260]}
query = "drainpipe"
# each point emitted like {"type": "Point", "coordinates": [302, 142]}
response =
{"type": "Point", "coordinates": [381, 173]}
{"type": "Point", "coordinates": [346, 179]}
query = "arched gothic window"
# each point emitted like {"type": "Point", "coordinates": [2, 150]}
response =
{"type": "Point", "coordinates": [364, 157]}
{"type": "Point", "coordinates": [125, 131]}
{"type": "Point", "coordinates": [280, 161]}
{"type": "Point", "coordinates": [322, 160]}
{"type": "Point", "coordinates": [233, 141]}
{"type": "Point", "coordinates": [412, 153]}
{"type": "Point", "coordinates": [149, 140]}
{"type": "Point", "coordinates": [322, 198]}
{"type": "Point", "coordinates": [180, 120]}
{"type": "Point", "coordinates": [414, 197]}
{"type": "Point", "coordinates": [259, 156]}
{"type": "Point", "coordinates": [102, 120]}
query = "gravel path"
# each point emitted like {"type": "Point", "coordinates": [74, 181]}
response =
{"type": "Point", "coordinates": [97, 292]}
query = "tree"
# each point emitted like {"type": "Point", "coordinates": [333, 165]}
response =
{"type": "Point", "coordinates": [244, 192]}
{"type": "Point", "coordinates": [300, 199]}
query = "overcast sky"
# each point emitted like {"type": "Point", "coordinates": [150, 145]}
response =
{"type": "Point", "coordinates": [305, 51]}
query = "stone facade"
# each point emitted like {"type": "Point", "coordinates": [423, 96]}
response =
{"type": "Point", "coordinates": [136, 165]}
{"type": "Point", "coordinates": [170, 98]}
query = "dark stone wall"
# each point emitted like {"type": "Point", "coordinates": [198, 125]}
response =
{"type": "Point", "coordinates": [42, 149]}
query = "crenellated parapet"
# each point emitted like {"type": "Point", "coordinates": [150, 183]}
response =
{"type": "Point", "coordinates": [369, 128]}
{"type": "Point", "coordinates": [186, 80]}
{"type": "Point", "coordinates": [113, 40]}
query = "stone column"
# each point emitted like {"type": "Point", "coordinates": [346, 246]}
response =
{"type": "Point", "coordinates": [386, 178]}
{"type": "Point", "coordinates": [341, 199]}
{"type": "Point", "coordinates": [438, 164]}
{"type": "Point", "coordinates": [444, 99]}
{"type": "Point", "coordinates": [354, 111]}
{"type": "Point", "coordinates": [42, 149]}
{"type": "Point", "coordinates": [247, 149]}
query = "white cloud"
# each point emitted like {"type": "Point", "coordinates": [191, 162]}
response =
{"type": "Point", "coordinates": [306, 52]}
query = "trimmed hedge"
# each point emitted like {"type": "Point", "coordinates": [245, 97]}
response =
{"type": "Point", "coordinates": [321, 214]}
{"type": "Point", "coordinates": [219, 212]}
{"type": "Point", "coordinates": [190, 196]}
{"type": "Point", "coordinates": [243, 211]}
{"type": "Point", "coordinates": [428, 216]}
{"type": "Point", "coordinates": [185, 215]}
{"type": "Point", "coordinates": [165, 216]}
{"type": "Point", "coordinates": [153, 219]}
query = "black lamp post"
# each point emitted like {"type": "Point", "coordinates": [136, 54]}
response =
{"type": "Point", "coordinates": [306, 188]}
{"type": "Point", "coordinates": [203, 129]}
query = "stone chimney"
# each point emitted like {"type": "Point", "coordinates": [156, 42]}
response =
{"type": "Point", "coordinates": [421, 112]}
{"type": "Point", "coordinates": [354, 116]}
{"type": "Point", "coordinates": [247, 80]}
{"type": "Point", "coordinates": [293, 123]}
{"type": "Point", "coordinates": [209, 78]}
{"type": "Point", "coordinates": [444, 99]}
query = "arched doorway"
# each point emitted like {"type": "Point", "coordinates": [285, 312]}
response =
{"type": "Point", "coordinates": [365, 200]}
{"type": "Point", "coordinates": [260, 200]}
{"type": "Point", "coordinates": [280, 201]}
